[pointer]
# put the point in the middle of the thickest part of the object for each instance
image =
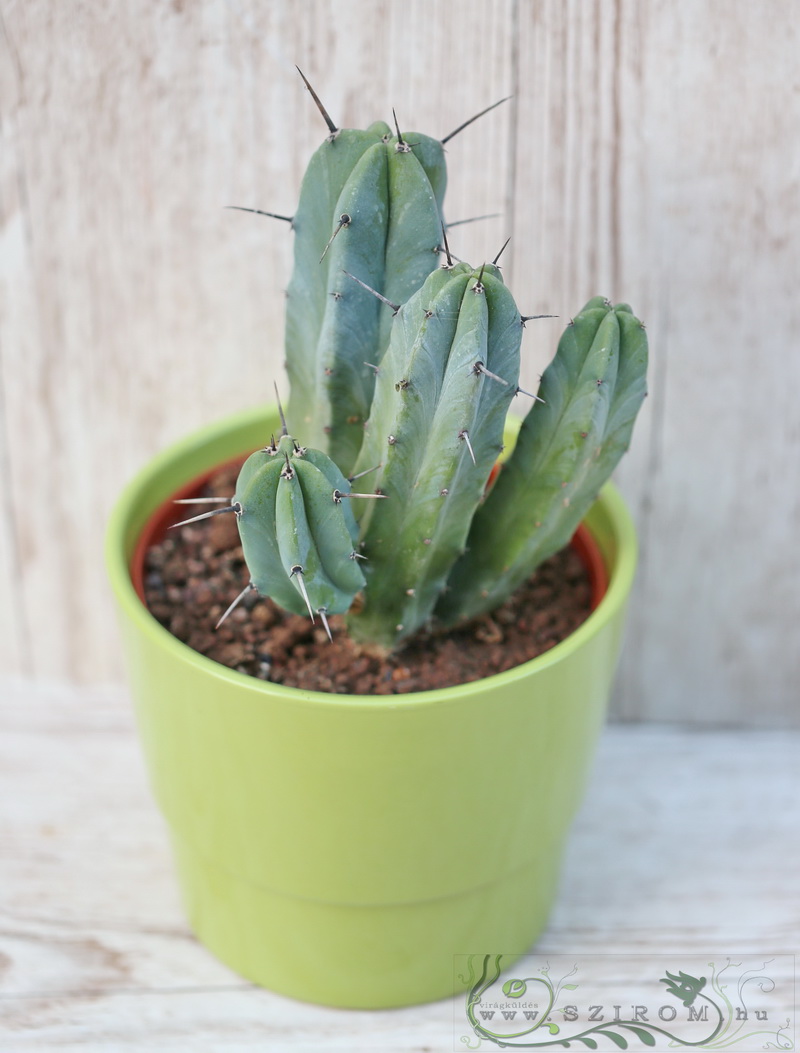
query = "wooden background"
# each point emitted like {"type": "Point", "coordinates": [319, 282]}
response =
{"type": "Point", "coordinates": [650, 152]}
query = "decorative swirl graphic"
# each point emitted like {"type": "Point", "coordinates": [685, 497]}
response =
{"type": "Point", "coordinates": [512, 989]}
{"type": "Point", "coordinates": [733, 1023]}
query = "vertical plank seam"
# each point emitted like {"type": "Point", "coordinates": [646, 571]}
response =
{"type": "Point", "coordinates": [7, 503]}
{"type": "Point", "coordinates": [616, 128]}
{"type": "Point", "coordinates": [18, 606]}
{"type": "Point", "coordinates": [634, 706]}
{"type": "Point", "coordinates": [513, 132]}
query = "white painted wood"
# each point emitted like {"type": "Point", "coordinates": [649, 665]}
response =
{"type": "Point", "coordinates": [687, 844]}
{"type": "Point", "coordinates": [648, 152]}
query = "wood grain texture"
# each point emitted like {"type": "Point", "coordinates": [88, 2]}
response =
{"type": "Point", "coordinates": [674, 851]}
{"type": "Point", "coordinates": [648, 152]}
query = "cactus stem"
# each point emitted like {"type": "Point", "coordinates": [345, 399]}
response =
{"type": "Point", "coordinates": [338, 495]}
{"type": "Point", "coordinates": [465, 436]}
{"type": "Point", "coordinates": [522, 391]}
{"type": "Point", "coordinates": [249, 587]}
{"type": "Point", "coordinates": [322, 613]}
{"type": "Point", "coordinates": [325, 115]}
{"type": "Point", "coordinates": [359, 475]}
{"type": "Point", "coordinates": [500, 253]}
{"type": "Point", "coordinates": [261, 212]}
{"type": "Point", "coordinates": [207, 515]}
{"type": "Point", "coordinates": [473, 219]}
{"type": "Point", "coordinates": [297, 572]}
{"type": "Point", "coordinates": [344, 221]}
{"type": "Point", "coordinates": [466, 124]}
{"type": "Point", "coordinates": [394, 306]}
{"type": "Point", "coordinates": [480, 368]}
{"type": "Point", "coordinates": [530, 317]}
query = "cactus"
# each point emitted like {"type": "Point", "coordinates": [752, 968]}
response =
{"type": "Point", "coordinates": [417, 398]}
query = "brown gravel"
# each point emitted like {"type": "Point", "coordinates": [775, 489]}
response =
{"type": "Point", "coordinates": [193, 574]}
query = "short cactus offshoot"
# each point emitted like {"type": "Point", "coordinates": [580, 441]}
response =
{"type": "Point", "coordinates": [403, 371]}
{"type": "Point", "coordinates": [571, 440]}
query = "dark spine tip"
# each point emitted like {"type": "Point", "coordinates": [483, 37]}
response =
{"type": "Point", "coordinates": [473, 219]}
{"type": "Point", "coordinates": [285, 430]}
{"type": "Point", "coordinates": [467, 123]}
{"type": "Point", "coordinates": [402, 147]}
{"type": "Point", "coordinates": [500, 253]}
{"type": "Point", "coordinates": [446, 246]}
{"type": "Point", "coordinates": [325, 115]}
{"type": "Point", "coordinates": [344, 221]}
{"type": "Point", "coordinates": [261, 212]}
{"type": "Point", "coordinates": [394, 306]}
{"type": "Point", "coordinates": [530, 317]}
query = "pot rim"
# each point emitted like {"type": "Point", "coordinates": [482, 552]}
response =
{"type": "Point", "coordinates": [147, 491]}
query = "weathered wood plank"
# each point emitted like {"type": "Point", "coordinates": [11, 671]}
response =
{"type": "Point", "coordinates": [721, 581]}
{"type": "Point", "coordinates": [646, 153]}
{"type": "Point", "coordinates": [657, 170]}
{"type": "Point", "coordinates": [141, 308]}
{"type": "Point", "coordinates": [672, 852]}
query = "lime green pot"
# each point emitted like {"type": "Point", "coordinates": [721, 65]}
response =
{"type": "Point", "coordinates": [344, 849]}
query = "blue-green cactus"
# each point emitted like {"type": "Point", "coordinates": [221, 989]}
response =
{"type": "Point", "coordinates": [416, 399]}
{"type": "Point", "coordinates": [567, 447]}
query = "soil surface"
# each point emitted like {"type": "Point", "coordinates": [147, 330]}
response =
{"type": "Point", "coordinates": [196, 571]}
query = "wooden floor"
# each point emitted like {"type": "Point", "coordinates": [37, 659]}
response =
{"type": "Point", "coordinates": [689, 843]}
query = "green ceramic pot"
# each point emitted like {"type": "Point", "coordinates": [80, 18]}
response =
{"type": "Point", "coordinates": [344, 849]}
